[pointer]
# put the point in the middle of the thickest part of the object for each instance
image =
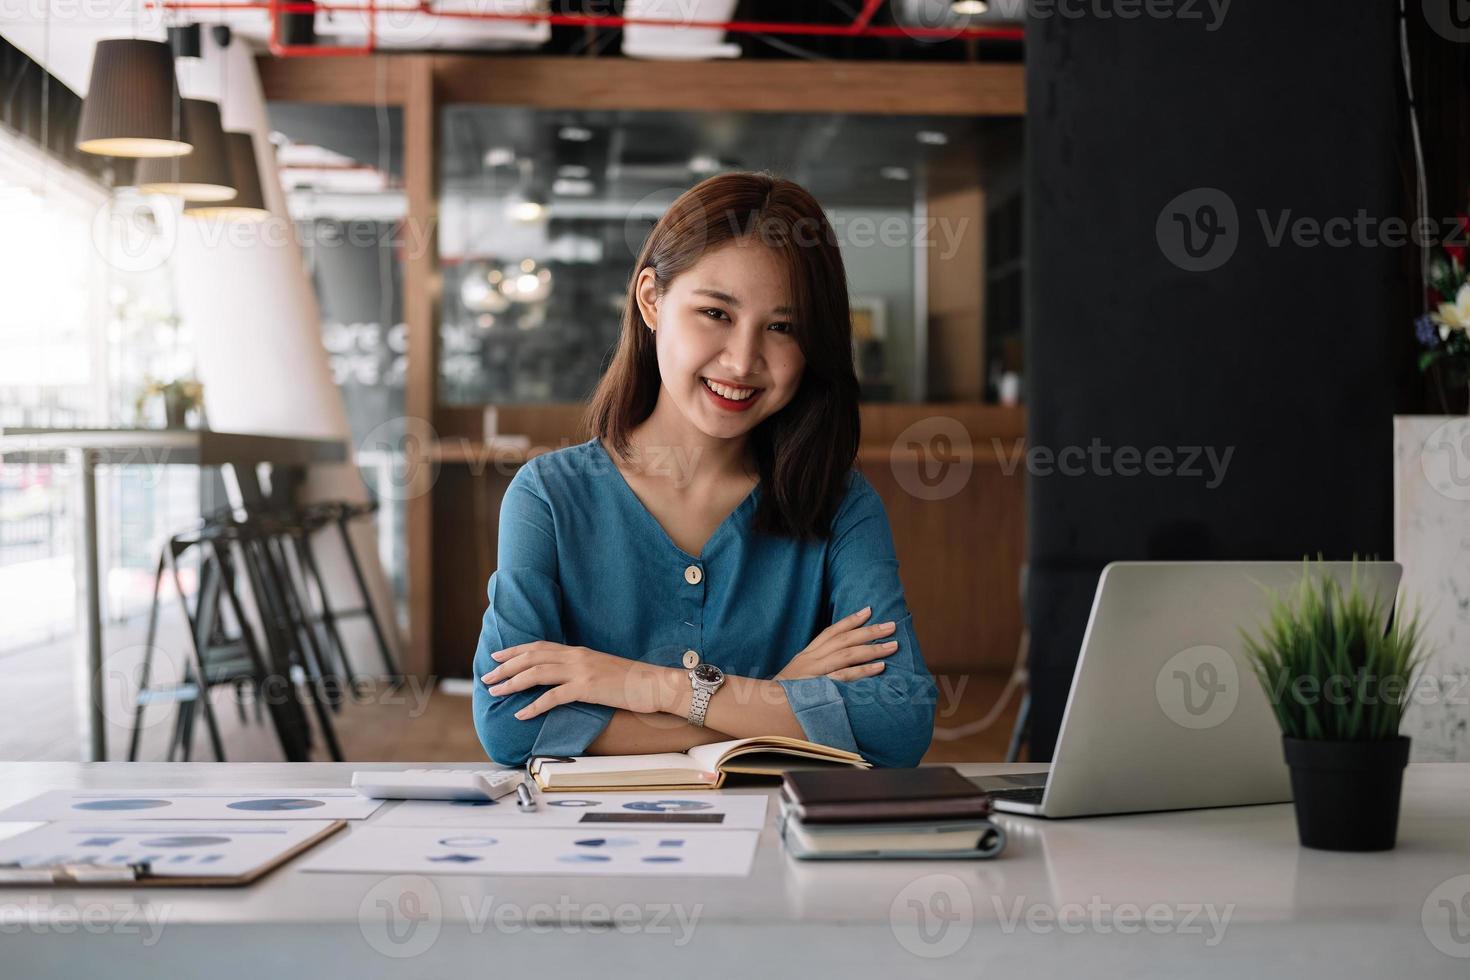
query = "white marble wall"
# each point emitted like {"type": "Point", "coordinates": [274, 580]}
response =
{"type": "Point", "coordinates": [1432, 540]}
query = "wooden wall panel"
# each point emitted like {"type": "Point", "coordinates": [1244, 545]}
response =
{"type": "Point", "coordinates": [960, 556]}
{"type": "Point", "coordinates": [960, 562]}
{"type": "Point", "coordinates": [466, 522]}
{"type": "Point", "coordinates": [956, 289]}
{"type": "Point", "coordinates": [876, 87]}
{"type": "Point", "coordinates": [337, 81]}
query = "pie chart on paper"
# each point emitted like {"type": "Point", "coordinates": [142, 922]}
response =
{"type": "Point", "coordinates": [283, 804]}
{"type": "Point", "coordinates": [666, 806]}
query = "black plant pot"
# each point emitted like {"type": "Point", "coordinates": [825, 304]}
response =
{"type": "Point", "coordinates": [1347, 793]}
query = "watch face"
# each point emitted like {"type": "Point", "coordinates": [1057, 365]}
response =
{"type": "Point", "coordinates": [708, 673]}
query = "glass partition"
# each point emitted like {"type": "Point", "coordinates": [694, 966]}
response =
{"type": "Point", "coordinates": [542, 213]}
{"type": "Point", "coordinates": [341, 170]}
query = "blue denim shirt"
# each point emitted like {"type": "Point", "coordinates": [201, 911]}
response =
{"type": "Point", "coordinates": [583, 562]}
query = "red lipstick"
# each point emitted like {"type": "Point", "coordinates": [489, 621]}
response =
{"type": "Point", "coordinates": [730, 404]}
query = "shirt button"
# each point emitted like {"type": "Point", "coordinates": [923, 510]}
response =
{"type": "Point", "coordinates": [693, 574]}
{"type": "Point", "coordinates": [691, 659]}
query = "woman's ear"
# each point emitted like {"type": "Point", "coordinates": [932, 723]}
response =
{"type": "Point", "coordinates": [646, 291]}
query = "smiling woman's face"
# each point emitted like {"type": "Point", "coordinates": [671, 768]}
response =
{"type": "Point", "coordinates": [727, 353]}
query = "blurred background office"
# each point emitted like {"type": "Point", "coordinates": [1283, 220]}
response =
{"type": "Point", "coordinates": [414, 278]}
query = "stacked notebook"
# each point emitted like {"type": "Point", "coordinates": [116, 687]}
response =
{"type": "Point", "coordinates": [901, 814]}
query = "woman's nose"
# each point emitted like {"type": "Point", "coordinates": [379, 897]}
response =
{"type": "Point", "coordinates": [743, 352]}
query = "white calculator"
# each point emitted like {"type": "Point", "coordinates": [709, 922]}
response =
{"type": "Point", "coordinates": [437, 784]}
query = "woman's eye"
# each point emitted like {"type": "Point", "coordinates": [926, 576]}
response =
{"type": "Point", "coordinates": [717, 314]}
{"type": "Point", "coordinates": [781, 327]}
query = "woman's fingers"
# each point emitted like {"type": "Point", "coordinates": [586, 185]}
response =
{"type": "Point", "coordinates": [547, 701]}
{"type": "Point", "coordinates": [856, 639]}
{"type": "Point", "coordinates": [524, 661]}
{"type": "Point", "coordinates": [830, 649]}
{"type": "Point", "coordinates": [869, 633]}
{"type": "Point", "coordinates": [541, 650]}
{"type": "Point", "coordinates": [862, 634]}
{"type": "Point", "coordinates": [863, 652]}
{"type": "Point", "coordinates": [850, 656]}
{"type": "Point", "coordinates": [509, 668]}
{"type": "Point", "coordinates": [858, 672]}
{"type": "Point", "coordinates": [530, 677]}
{"type": "Point", "coordinates": [520, 648]}
{"type": "Point", "coordinates": [846, 622]}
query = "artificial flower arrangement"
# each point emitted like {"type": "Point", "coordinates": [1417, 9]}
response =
{"type": "Point", "coordinates": [1445, 330]}
{"type": "Point", "coordinates": [180, 396]}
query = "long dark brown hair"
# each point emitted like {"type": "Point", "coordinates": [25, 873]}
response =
{"type": "Point", "coordinates": [804, 451]}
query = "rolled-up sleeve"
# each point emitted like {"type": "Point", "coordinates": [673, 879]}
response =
{"type": "Point", "coordinates": [888, 718]}
{"type": "Point", "coordinates": [525, 605]}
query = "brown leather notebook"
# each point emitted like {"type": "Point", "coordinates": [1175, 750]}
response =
{"type": "Point", "coordinates": [890, 795]}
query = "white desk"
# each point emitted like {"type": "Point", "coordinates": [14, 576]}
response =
{"type": "Point", "coordinates": [1292, 912]}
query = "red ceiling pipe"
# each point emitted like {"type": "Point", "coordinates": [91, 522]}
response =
{"type": "Point", "coordinates": [866, 14]}
{"type": "Point", "coordinates": [861, 25]}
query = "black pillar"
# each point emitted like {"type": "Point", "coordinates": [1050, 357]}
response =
{"type": "Point", "coordinates": [1211, 280]}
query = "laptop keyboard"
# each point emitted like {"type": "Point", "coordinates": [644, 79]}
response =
{"type": "Point", "coordinates": [1021, 794]}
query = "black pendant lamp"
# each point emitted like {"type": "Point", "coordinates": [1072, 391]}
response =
{"type": "Point", "coordinates": [248, 202]}
{"type": "Point", "coordinates": [203, 175]}
{"type": "Point", "coordinates": [130, 106]}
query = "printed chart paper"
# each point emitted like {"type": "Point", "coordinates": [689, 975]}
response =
{"type": "Point", "coordinates": [175, 804]}
{"type": "Point", "coordinates": [370, 849]}
{"type": "Point", "coordinates": [171, 848]}
{"type": "Point", "coordinates": [592, 811]}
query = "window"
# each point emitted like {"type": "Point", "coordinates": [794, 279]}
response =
{"type": "Point", "coordinates": [85, 317]}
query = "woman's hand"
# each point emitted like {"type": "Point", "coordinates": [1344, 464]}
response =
{"type": "Point", "coordinates": [578, 674]}
{"type": "Point", "coordinates": [842, 651]}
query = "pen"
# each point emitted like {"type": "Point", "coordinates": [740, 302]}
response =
{"type": "Point", "coordinates": [524, 799]}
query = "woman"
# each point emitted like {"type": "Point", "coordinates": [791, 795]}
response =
{"type": "Point", "coordinates": [671, 581]}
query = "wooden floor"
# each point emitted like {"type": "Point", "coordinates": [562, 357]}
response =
{"type": "Point", "coordinates": [413, 723]}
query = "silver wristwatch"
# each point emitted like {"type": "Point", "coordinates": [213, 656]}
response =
{"type": "Point", "coordinates": [706, 680]}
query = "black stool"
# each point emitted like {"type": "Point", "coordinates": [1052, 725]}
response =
{"type": "Point", "coordinates": [285, 615]}
{"type": "Point", "coordinates": [215, 656]}
{"type": "Point", "coordinates": [340, 513]}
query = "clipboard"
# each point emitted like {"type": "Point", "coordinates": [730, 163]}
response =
{"type": "Point", "coordinates": [111, 875]}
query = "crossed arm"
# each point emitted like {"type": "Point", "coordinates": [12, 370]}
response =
{"type": "Point", "coordinates": [542, 696]}
{"type": "Point", "coordinates": [651, 702]}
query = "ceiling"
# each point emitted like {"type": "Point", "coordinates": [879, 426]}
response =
{"type": "Point", "coordinates": [63, 41]}
{"type": "Point", "coordinates": [405, 28]}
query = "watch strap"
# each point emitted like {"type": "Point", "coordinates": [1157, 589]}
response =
{"type": "Point", "coordinates": [698, 705]}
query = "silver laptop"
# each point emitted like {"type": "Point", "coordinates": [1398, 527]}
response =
{"type": "Point", "coordinates": [1165, 712]}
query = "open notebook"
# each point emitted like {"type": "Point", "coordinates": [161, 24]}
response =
{"type": "Point", "coordinates": [702, 767]}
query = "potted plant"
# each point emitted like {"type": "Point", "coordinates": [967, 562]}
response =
{"type": "Point", "coordinates": [1339, 676]}
{"type": "Point", "coordinates": [180, 396]}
